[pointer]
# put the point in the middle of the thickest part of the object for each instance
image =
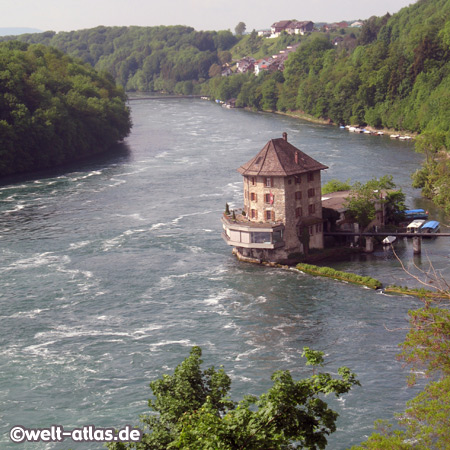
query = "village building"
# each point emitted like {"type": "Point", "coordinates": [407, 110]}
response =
{"type": "Point", "coordinates": [291, 27]}
{"type": "Point", "coordinates": [335, 26]}
{"type": "Point", "coordinates": [301, 28]}
{"type": "Point", "coordinates": [278, 27]}
{"type": "Point", "coordinates": [282, 213]}
{"type": "Point", "coordinates": [245, 65]}
{"type": "Point", "coordinates": [264, 33]}
{"type": "Point", "coordinates": [337, 202]}
{"type": "Point", "coordinates": [227, 72]}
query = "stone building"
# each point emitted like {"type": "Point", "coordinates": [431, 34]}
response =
{"type": "Point", "coordinates": [282, 212]}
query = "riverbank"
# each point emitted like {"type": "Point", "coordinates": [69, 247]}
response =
{"type": "Point", "coordinates": [304, 116]}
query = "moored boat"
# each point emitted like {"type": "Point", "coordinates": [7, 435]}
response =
{"type": "Point", "coordinates": [432, 226]}
{"type": "Point", "coordinates": [389, 240]}
{"type": "Point", "coordinates": [411, 214]}
{"type": "Point", "coordinates": [415, 226]}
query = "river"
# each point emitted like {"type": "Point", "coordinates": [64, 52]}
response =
{"type": "Point", "coordinates": [111, 270]}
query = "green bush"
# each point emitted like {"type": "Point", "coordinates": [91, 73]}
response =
{"type": "Point", "coordinates": [338, 275]}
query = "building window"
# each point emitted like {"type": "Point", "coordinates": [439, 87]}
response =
{"type": "Point", "coordinates": [253, 180]}
{"type": "Point", "coordinates": [289, 181]}
{"type": "Point", "coordinates": [269, 182]}
{"type": "Point", "coordinates": [310, 176]}
{"type": "Point", "coordinates": [298, 179]}
{"type": "Point", "coordinates": [311, 193]}
{"type": "Point", "coordinates": [253, 197]}
{"type": "Point", "coordinates": [311, 231]}
{"type": "Point", "coordinates": [254, 213]}
{"type": "Point", "coordinates": [261, 238]}
{"type": "Point", "coordinates": [311, 209]}
{"type": "Point", "coordinates": [319, 228]}
{"type": "Point", "coordinates": [269, 198]}
{"type": "Point", "coordinates": [298, 212]}
{"type": "Point", "coordinates": [298, 195]}
{"type": "Point", "coordinates": [270, 215]}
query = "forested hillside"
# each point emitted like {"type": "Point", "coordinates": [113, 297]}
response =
{"type": "Point", "coordinates": [54, 109]}
{"type": "Point", "coordinates": [172, 59]}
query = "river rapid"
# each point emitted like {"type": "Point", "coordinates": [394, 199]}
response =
{"type": "Point", "coordinates": [111, 270]}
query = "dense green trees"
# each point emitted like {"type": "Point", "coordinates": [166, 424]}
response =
{"type": "Point", "coordinates": [145, 58]}
{"type": "Point", "coordinates": [54, 109]}
{"type": "Point", "coordinates": [364, 199]}
{"type": "Point", "coordinates": [194, 410]}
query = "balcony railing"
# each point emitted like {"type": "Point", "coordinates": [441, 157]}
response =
{"type": "Point", "coordinates": [241, 232]}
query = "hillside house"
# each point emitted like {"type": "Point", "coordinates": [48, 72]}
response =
{"type": "Point", "coordinates": [291, 27]}
{"type": "Point", "coordinates": [335, 26]}
{"type": "Point", "coordinates": [302, 28]}
{"type": "Point", "coordinates": [245, 65]}
{"type": "Point", "coordinates": [266, 65]}
{"type": "Point", "coordinates": [282, 211]}
{"type": "Point", "coordinates": [278, 27]}
{"type": "Point", "coordinates": [226, 72]}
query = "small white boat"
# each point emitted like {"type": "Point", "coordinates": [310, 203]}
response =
{"type": "Point", "coordinates": [389, 240]}
{"type": "Point", "coordinates": [355, 130]}
{"type": "Point", "coordinates": [394, 136]}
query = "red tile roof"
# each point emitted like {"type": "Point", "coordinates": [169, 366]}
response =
{"type": "Point", "coordinates": [278, 158]}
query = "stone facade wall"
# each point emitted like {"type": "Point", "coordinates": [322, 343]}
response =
{"type": "Point", "coordinates": [303, 206]}
{"type": "Point", "coordinates": [288, 207]}
{"type": "Point", "coordinates": [260, 204]}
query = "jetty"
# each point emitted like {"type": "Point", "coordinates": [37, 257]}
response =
{"type": "Point", "coordinates": [417, 237]}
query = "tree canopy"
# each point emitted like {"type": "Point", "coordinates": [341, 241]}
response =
{"type": "Point", "coordinates": [365, 199]}
{"type": "Point", "coordinates": [240, 28]}
{"type": "Point", "coordinates": [54, 109]}
{"type": "Point", "coordinates": [162, 58]}
{"type": "Point", "coordinates": [194, 410]}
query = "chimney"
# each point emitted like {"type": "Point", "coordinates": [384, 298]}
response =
{"type": "Point", "coordinates": [285, 136]}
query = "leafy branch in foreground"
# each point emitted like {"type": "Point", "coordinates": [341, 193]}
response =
{"type": "Point", "coordinates": [194, 410]}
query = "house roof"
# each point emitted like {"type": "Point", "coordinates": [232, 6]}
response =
{"type": "Point", "coordinates": [280, 158]}
{"type": "Point", "coordinates": [335, 200]}
{"type": "Point", "coordinates": [281, 24]}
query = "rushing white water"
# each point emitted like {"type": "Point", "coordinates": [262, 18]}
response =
{"type": "Point", "coordinates": [112, 270]}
